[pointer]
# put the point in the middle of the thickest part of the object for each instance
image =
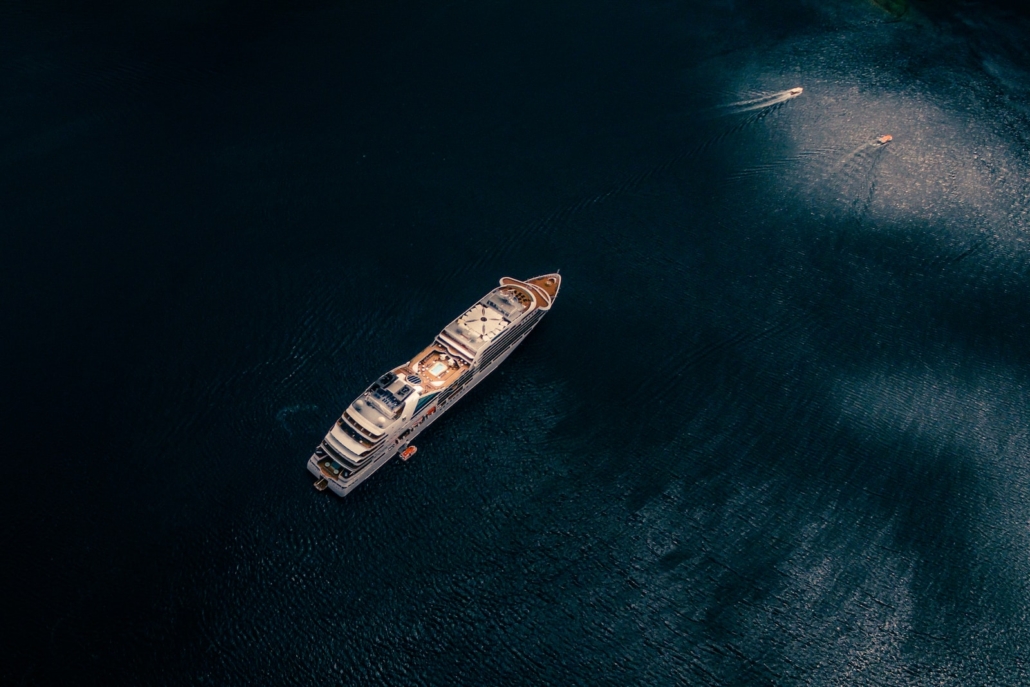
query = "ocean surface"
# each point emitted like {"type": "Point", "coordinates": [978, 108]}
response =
{"type": "Point", "coordinates": [775, 431]}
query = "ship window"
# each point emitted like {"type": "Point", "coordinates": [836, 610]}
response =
{"type": "Point", "coordinates": [424, 401]}
{"type": "Point", "coordinates": [345, 426]}
{"type": "Point", "coordinates": [339, 460]}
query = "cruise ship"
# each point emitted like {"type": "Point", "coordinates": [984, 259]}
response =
{"type": "Point", "coordinates": [383, 421]}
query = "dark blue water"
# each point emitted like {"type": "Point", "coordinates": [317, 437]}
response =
{"type": "Point", "coordinates": [775, 430]}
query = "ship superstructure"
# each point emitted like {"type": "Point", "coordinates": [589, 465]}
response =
{"type": "Point", "coordinates": [387, 417]}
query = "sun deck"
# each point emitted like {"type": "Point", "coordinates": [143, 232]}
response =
{"type": "Point", "coordinates": [436, 368]}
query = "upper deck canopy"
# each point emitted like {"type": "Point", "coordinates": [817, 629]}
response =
{"type": "Point", "coordinates": [487, 319]}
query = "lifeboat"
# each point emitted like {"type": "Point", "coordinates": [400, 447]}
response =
{"type": "Point", "coordinates": [408, 452]}
{"type": "Point", "coordinates": [884, 140]}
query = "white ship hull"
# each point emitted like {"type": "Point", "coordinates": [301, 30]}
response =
{"type": "Point", "coordinates": [470, 348]}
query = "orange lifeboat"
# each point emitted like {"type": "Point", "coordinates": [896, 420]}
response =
{"type": "Point", "coordinates": [408, 452]}
{"type": "Point", "coordinates": [884, 140]}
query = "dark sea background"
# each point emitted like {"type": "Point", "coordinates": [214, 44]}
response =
{"type": "Point", "coordinates": [775, 431]}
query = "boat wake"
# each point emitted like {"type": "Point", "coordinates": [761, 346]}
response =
{"type": "Point", "coordinates": [860, 153]}
{"type": "Point", "coordinates": [849, 182]}
{"type": "Point", "coordinates": [759, 103]}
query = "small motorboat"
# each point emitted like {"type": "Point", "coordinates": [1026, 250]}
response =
{"type": "Point", "coordinates": [408, 452]}
{"type": "Point", "coordinates": [795, 91]}
{"type": "Point", "coordinates": [884, 140]}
